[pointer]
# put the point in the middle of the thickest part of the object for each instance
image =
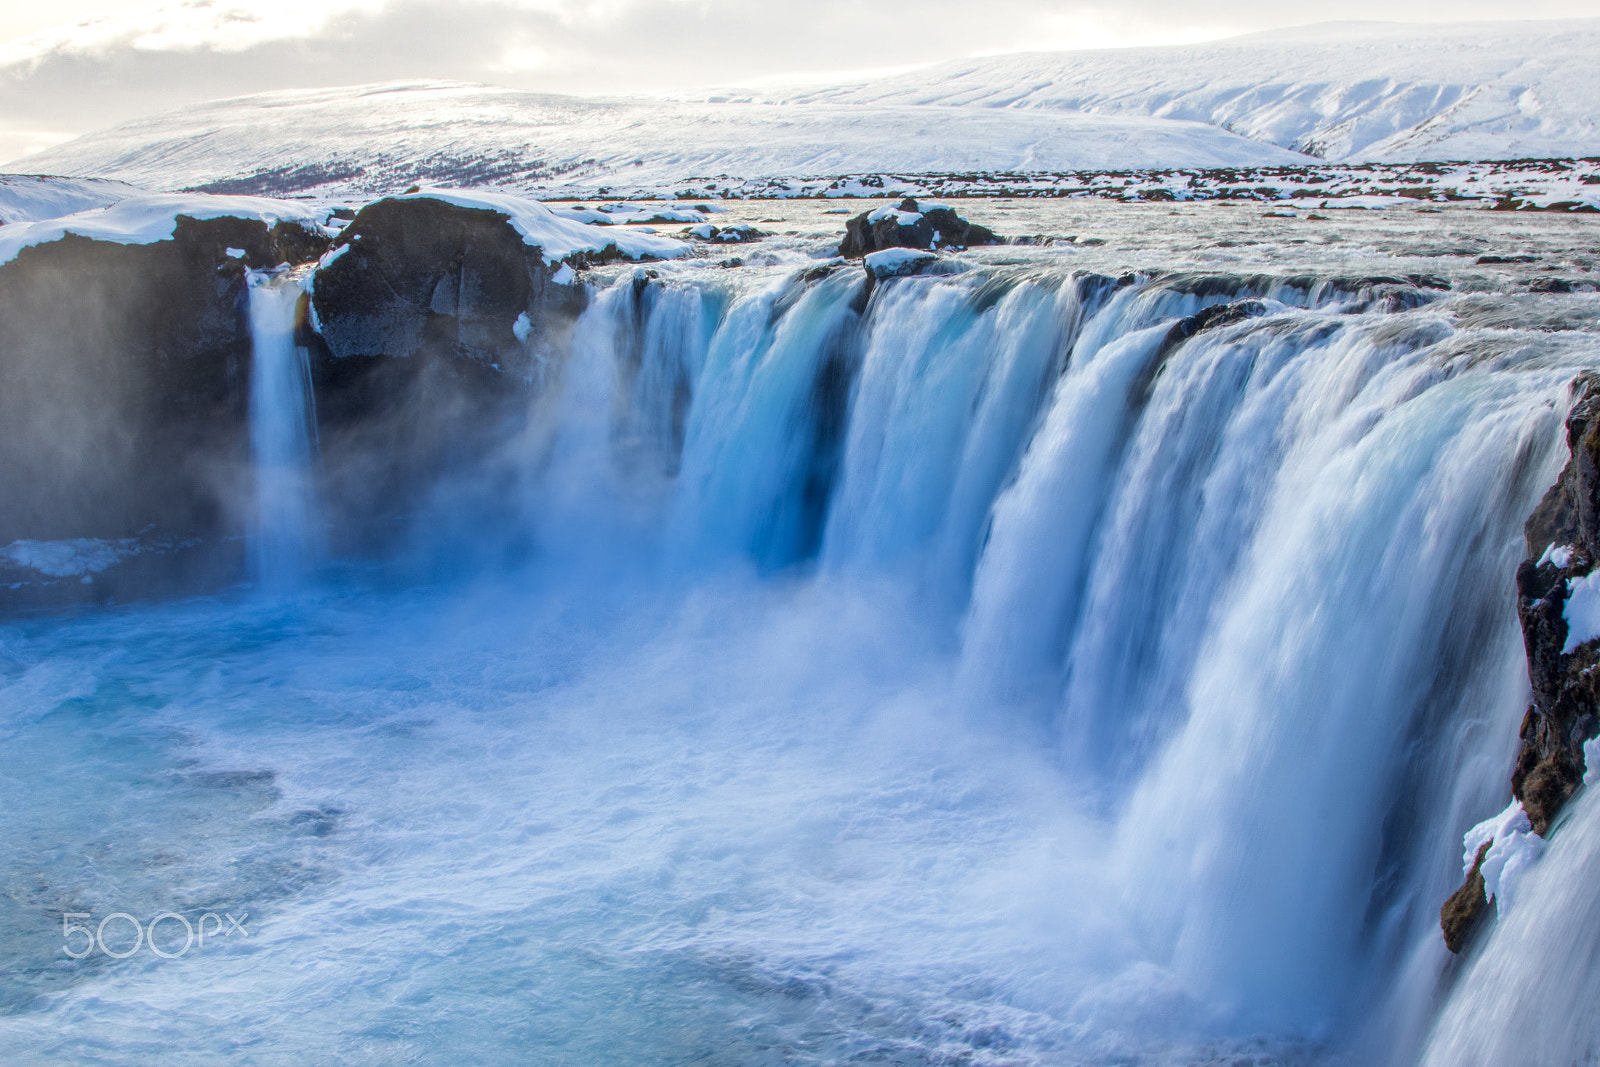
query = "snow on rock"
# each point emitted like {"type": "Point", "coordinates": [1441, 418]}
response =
{"type": "Point", "coordinates": [893, 262]}
{"type": "Point", "coordinates": [144, 220]}
{"type": "Point", "coordinates": [565, 276]}
{"type": "Point", "coordinates": [902, 218]}
{"type": "Point", "coordinates": [559, 238]}
{"type": "Point", "coordinates": [65, 559]}
{"type": "Point", "coordinates": [1513, 850]}
{"type": "Point", "coordinates": [32, 197]}
{"type": "Point", "coordinates": [1560, 555]}
{"type": "Point", "coordinates": [1582, 611]}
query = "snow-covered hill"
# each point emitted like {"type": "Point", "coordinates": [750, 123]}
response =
{"type": "Point", "coordinates": [367, 138]}
{"type": "Point", "coordinates": [1345, 91]}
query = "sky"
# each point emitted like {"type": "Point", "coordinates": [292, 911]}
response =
{"type": "Point", "coordinates": [70, 66]}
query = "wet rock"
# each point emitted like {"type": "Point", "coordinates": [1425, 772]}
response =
{"type": "Point", "coordinates": [1562, 285]}
{"type": "Point", "coordinates": [1563, 543]}
{"type": "Point", "coordinates": [909, 226]}
{"type": "Point", "coordinates": [434, 324]}
{"type": "Point", "coordinates": [1464, 913]}
{"type": "Point", "coordinates": [124, 374]}
{"type": "Point", "coordinates": [1210, 318]}
{"type": "Point", "coordinates": [735, 233]}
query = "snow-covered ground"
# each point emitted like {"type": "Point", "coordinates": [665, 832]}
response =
{"type": "Point", "coordinates": [1344, 91]}
{"type": "Point", "coordinates": [30, 197]}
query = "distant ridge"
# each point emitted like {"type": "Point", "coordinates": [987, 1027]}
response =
{"type": "Point", "coordinates": [1345, 91]}
{"type": "Point", "coordinates": [367, 139]}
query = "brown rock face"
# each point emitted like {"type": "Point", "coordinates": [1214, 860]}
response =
{"type": "Point", "coordinates": [436, 325]}
{"type": "Point", "coordinates": [1566, 694]}
{"type": "Point", "coordinates": [938, 227]}
{"type": "Point", "coordinates": [1467, 907]}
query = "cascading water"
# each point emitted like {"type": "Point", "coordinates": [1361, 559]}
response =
{"type": "Point", "coordinates": [282, 438]}
{"type": "Point", "coordinates": [1011, 666]}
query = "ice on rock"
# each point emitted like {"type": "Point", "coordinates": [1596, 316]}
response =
{"type": "Point", "coordinates": [1582, 611]}
{"type": "Point", "coordinates": [1513, 850]}
{"type": "Point", "coordinates": [523, 327]}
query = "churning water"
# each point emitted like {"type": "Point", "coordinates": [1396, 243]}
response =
{"type": "Point", "coordinates": [975, 671]}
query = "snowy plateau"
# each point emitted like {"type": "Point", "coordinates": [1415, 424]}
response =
{"type": "Point", "coordinates": [1340, 109]}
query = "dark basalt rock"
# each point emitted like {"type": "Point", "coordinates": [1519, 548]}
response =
{"type": "Point", "coordinates": [124, 376]}
{"type": "Point", "coordinates": [939, 227]}
{"type": "Point", "coordinates": [434, 324]}
{"type": "Point", "coordinates": [1566, 702]}
{"type": "Point", "coordinates": [1566, 692]}
{"type": "Point", "coordinates": [1210, 318]}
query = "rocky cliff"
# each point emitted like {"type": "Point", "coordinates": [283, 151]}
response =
{"type": "Point", "coordinates": [1563, 546]}
{"type": "Point", "coordinates": [124, 395]}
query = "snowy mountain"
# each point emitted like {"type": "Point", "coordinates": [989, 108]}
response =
{"type": "Point", "coordinates": [368, 138]}
{"type": "Point", "coordinates": [1344, 91]}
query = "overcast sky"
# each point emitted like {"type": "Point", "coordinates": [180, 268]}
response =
{"type": "Point", "coordinates": [75, 65]}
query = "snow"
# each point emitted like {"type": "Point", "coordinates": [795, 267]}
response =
{"type": "Point", "coordinates": [523, 327]}
{"type": "Point", "coordinates": [65, 559]}
{"type": "Point", "coordinates": [1515, 849]}
{"type": "Point", "coordinates": [558, 238]}
{"type": "Point", "coordinates": [1560, 555]}
{"type": "Point", "coordinates": [1582, 611]}
{"type": "Point", "coordinates": [32, 197]}
{"type": "Point", "coordinates": [705, 231]}
{"type": "Point", "coordinates": [565, 276]}
{"type": "Point", "coordinates": [234, 253]}
{"type": "Point", "coordinates": [144, 220]}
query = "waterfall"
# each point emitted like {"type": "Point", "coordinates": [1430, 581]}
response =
{"type": "Point", "coordinates": [1010, 665]}
{"type": "Point", "coordinates": [1248, 580]}
{"type": "Point", "coordinates": [282, 438]}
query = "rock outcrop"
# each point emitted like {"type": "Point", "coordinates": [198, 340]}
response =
{"type": "Point", "coordinates": [911, 226]}
{"type": "Point", "coordinates": [1563, 545]}
{"type": "Point", "coordinates": [124, 384]}
{"type": "Point", "coordinates": [433, 324]}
